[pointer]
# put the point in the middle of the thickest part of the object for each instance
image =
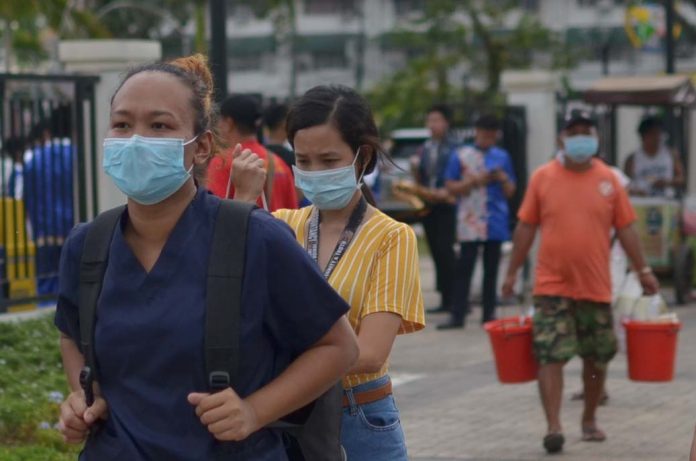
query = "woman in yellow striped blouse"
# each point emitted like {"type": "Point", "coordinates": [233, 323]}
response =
{"type": "Point", "coordinates": [370, 259]}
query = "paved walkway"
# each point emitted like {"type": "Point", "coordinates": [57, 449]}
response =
{"type": "Point", "coordinates": [453, 407]}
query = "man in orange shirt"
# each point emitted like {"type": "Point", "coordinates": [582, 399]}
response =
{"type": "Point", "coordinates": [240, 117]}
{"type": "Point", "coordinates": [575, 201]}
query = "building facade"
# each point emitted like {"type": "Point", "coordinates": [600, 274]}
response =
{"type": "Point", "coordinates": [346, 42]}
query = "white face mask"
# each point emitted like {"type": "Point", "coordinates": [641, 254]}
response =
{"type": "Point", "coordinates": [580, 148]}
{"type": "Point", "coordinates": [329, 189]}
{"type": "Point", "coordinates": [148, 170]}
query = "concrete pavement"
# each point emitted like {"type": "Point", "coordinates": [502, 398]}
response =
{"type": "Point", "coordinates": [453, 407]}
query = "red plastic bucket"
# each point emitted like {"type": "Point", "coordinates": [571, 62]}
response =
{"type": "Point", "coordinates": [512, 348]}
{"type": "Point", "coordinates": [652, 350]}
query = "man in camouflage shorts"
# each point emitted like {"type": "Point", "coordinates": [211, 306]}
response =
{"type": "Point", "coordinates": [575, 201]}
{"type": "Point", "coordinates": [564, 328]}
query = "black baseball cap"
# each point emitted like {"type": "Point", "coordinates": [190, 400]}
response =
{"type": "Point", "coordinates": [577, 117]}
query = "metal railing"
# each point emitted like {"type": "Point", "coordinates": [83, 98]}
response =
{"type": "Point", "coordinates": [48, 176]}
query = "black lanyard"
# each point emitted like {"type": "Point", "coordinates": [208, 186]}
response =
{"type": "Point", "coordinates": [346, 236]}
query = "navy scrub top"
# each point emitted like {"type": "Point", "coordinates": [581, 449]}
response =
{"type": "Point", "coordinates": [150, 333]}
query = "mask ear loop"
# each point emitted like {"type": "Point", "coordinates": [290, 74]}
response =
{"type": "Point", "coordinates": [362, 174]}
{"type": "Point", "coordinates": [186, 144]}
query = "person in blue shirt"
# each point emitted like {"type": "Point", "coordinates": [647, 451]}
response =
{"type": "Point", "coordinates": [481, 175]}
{"type": "Point", "coordinates": [48, 197]}
{"type": "Point", "coordinates": [428, 168]}
{"type": "Point", "coordinates": [152, 397]}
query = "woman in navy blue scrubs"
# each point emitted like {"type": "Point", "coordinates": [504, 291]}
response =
{"type": "Point", "coordinates": [152, 401]}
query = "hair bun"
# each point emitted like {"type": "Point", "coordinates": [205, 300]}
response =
{"type": "Point", "coordinates": [196, 64]}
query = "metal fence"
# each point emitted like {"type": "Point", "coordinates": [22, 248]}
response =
{"type": "Point", "coordinates": [47, 179]}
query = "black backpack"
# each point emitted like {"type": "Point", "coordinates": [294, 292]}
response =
{"type": "Point", "coordinates": [311, 433]}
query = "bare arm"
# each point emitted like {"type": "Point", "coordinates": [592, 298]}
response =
{"type": "Point", "coordinates": [628, 166]}
{"type": "Point", "coordinates": [433, 195]}
{"type": "Point", "coordinates": [692, 457]}
{"type": "Point", "coordinates": [375, 340]}
{"type": "Point", "coordinates": [309, 376]}
{"type": "Point", "coordinates": [414, 163]}
{"type": "Point", "coordinates": [248, 175]}
{"type": "Point", "coordinates": [73, 361]}
{"type": "Point", "coordinates": [679, 180]}
{"type": "Point", "coordinates": [629, 169]}
{"type": "Point", "coordinates": [508, 186]}
{"type": "Point", "coordinates": [465, 185]}
{"type": "Point", "coordinates": [631, 245]}
{"type": "Point", "coordinates": [228, 417]}
{"type": "Point", "coordinates": [522, 240]}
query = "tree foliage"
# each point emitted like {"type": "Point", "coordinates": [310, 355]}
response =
{"type": "Point", "coordinates": [35, 24]}
{"type": "Point", "coordinates": [475, 38]}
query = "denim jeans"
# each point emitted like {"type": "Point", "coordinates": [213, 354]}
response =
{"type": "Point", "coordinates": [372, 432]}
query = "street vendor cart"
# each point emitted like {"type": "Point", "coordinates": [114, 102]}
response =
{"type": "Point", "coordinates": [668, 245]}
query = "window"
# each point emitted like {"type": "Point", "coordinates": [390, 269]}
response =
{"type": "Point", "coordinates": [530, 5]}
{"type": "Point", "coordinates": [243, 11]}
{"type": "Point", "coordinates": [328, 6]}
{"type": "Point", "coordinates": [407, 7]}
{"type": "Point", "coordinates": [607, 3]}
{"type": "Point", "coordinates": [247, 63]}
{"type": "Point", "coordinates": [329, 60]}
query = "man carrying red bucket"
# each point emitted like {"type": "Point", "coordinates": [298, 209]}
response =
{"type": "Point", "coordinates": [575, 201]}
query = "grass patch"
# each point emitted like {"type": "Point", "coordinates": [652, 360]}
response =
{"type": "Point", "coordinates": [32, 386]}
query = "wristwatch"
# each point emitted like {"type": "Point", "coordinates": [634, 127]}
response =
{"type": "Point", "coordinates": [647, 270]}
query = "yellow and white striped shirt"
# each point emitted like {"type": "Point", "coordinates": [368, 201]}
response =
{"type": "Point", "coordinates": [378, 273]}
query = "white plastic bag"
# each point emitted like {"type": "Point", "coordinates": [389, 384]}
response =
{"type": "Point", "coordinates": [630, 304]}
{"type": "Point", "coordinates": [649, 308]}
{"type": "Point", "coordinates": [628, 295]}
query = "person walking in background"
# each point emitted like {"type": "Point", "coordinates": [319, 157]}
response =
{"type": "Point", "coordinates": [654, 169]}
{"type": "Point", "coordinates": [239, 123]}
{"type": "Point", "coordinates": [481, 176]}
{"type": "Point", "coordinates": [428, 168]}
{"type": "Point", "coordinates": [575, 201]}
{"type": "Point", "coordinates": [370, 259]}
{"type": "Point", "coordinates": [274, 132]}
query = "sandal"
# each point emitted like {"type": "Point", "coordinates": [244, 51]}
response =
{"type": "Point", "coordinates": [593, 434]}
{"type": "Point", "coordinates": [581, 396]}
{"type": "Point", "coordinates": [553, 443]}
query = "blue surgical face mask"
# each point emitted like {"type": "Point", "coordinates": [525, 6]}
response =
{"type": "Point", "coordinates": [580, 148]}
{"type": "Point", "coordinates": [147, 170]}
{"type": "Point", "coordinates": [328, 189]}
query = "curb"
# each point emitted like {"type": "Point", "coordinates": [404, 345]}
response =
{"type": "Point", "coordinates": [21, 316]}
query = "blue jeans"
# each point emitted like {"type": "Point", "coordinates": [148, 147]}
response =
{"type": "Point", "coordinates": [372, 432]}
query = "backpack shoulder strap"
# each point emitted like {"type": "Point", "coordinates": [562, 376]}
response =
{"type": "Point", "coordinates": [224, 293]}
{"type": "Point", "coordinates": [95, 255]}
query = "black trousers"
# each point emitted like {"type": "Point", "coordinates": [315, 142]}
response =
{"type": "Point", "coordinates": [440, 226]}
{"type": "Point", "coordinates": [465, 270]}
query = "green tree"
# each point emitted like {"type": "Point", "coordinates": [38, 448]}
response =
{"type": "Point", "coordinates": [28, 26]}
{"type": "Point", "coordinates": [163, 20]}
{"type": "Point", "coordinates": [482, 39]}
